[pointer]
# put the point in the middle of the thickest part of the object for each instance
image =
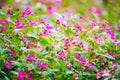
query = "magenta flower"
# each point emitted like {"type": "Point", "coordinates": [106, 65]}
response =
{"type": "Point", "coordinates": [113, 55]}
{"type": "Point", "coordinates": [11, 52]}
{"type": "Point", "coordinates": [3, 29]}
{"type": "Point", "coordinates": [32, 23]}
{"type": "Point", "coordinates": [18, 24]}
{"type": "Point", "coordinates": [97, 75]}
{"type": "Point", "coordinates": [27, 11]}
{"type": "Point", "coordinates": [76, 76]}
{"type": "Point", "coordinates": [28, 77]}
{"type": "Point", "coordinates": [68, 64]}
{"type": "Point", "coordinates": [24, 38]}
{"type": "Point", "coordinates": [50, 9]}
{"type": "Point", "coordinates": [90, 66]}
{"type": "Point", "coordinates": [78, 27]}
{"type": "Point", "coordinates": [30, 57]}
{"type": "Point", "coordinates": [42, 21]}
{"type": "Point", "coordinates": [57, 21]}
{"type": "Point", "coordinates": [76, 54]}
{"type": "Point", "coordinates": [43, 65]}
{"type": "Point", "coordinates": [20, 75]}
{"type": "Point", "coordinates": [83, 60]}
{"type": "Point", "coordinates": [39, 64]}
{"type": "Point", "coordinates": [7, 65]}
{"type": "Point", "coordinates": [80, 44]}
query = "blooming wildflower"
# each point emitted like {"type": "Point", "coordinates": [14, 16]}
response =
{"type": "Point", "coordinates": [43, 65]}
{"type": "Point", "coordinates": [57, 21]}
{"type": "Point", "coordinates": [90, 66]}
{"type": "Point", "coordinates": [28, 77]}
{"type": "Point", "coordinates": [113, 55]}
{"type": "Point", "coordinates": [50, 9]}
{"type": "Point", "coordinates": [76, 76]}
{"type": "Point", "coordinates": [68, 64]}
{"type": "Point", "coordinates": [30, 57]}
{"type": "Point", "coordinates": [80, 44]}
{"type": "Point", "coordinates": [83, 67]}
{"type": "Point", "coordinates": [3, 29]}
{"type": "Point", "coordinates": [83, 60]}
{"type": "Point", "coordinates": [32, 23]}
{"type": "Point", "coordinates": [7, 65]}
{"type": "Point", "coordinates": [18, 24]}
{"type": "Point", "coordinates": [11, 52]}
{"type": "Point", "coordinates": [20, 75]}
{"type": "Point", "coordinates": [24, 38]}
{"type": "Point", "coordinates": [27, 11]}
{"type": "Point", "coordinates": [78, 27]}
{"type": "Point", "coordinates": [39, 64]}
{"type": "Point", "coordinates": [42, 21]}
{"type": "Point", "coordinates": [97, 75]}
{"type": "Point", "coordinates": [76, 54]}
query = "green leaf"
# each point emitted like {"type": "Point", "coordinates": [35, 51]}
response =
{"type": "Point", "coordinates": [68, 31]}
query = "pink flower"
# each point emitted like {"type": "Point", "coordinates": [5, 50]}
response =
{"type": "Point", "coordinates": [24, 38]}
{"type": "Point", "coordinates": [3, 29]}
{"type": "Point", "coordinates": [28, 77]}
{"type": "Point", "coordinates": [50, 9]}
{"type": "Point", "coordinates": [42, 21]}
{"type": "Point", "coordinates": [76, 54]}
{"type": "Point", "coordinates": [90, 66]}
{"type": "Point", "coordinates": [97, 75]}
{"type": "Point", "coordinates": [76, 76]}
{"type": "Point", "coordinates": [65, 47]}
{"type": "Point", "coordinates": [113, 55]}
{"type": "Point", "coordinates": [30, 57]}
{"type": "Point", "coordinates": [83, 60]}
{"type": "Point", "coordinates": [97, 11]}
{"type": "Point", "coordinates": [39, 64]}
{"type": "Point", "coordinates": [20, 75]}
{"type": "Point", "coordinates": [32, 43]}
{"type": "Point", "coordinates": [48, 26]}
{"type": "Point", "coordinates": [18, 24]}
{"type": "Point", "coordinates": [43, 65]}
{"type": "Point", "coordinates": [5, 21]}
{"type": "Point", "coordinates": [83, 67]}
{"type": "Point", "coordinates": [7, 65]}
{"type": "Point", "coordinates": [11, 52]}
{"type": "Point", "coordinates": [68, 64]}
{"type": "Point", "coordinates": [93, 23]}
{"type": "Point", "coordinates": [27, 11]}
{"type": "Point", "coordinates": [32, 23]}
{"type": "Point", "coordinates": [57, 21]}
{"type": "Point", "coordinates": [78, 27]}
{"type": "Point", "coordinates": [80, 44]}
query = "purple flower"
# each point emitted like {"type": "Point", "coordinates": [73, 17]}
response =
{"type": "Point", "coordinates": [3, 29]}
{"type": "Point", "coordinates": [68, 64]}
{"type": "Point", "coordinates": [39, 64]}
{"type": "Point", "coordinates": [90, 66]}
{"type": "Point", "coordinates": [30, 57]}
{"type": "Point", "coordinates": [78, 27]}
{"type": "Point", "coordinates": [20, 75]}
{"type": "Point", "coordinates": [76, 76]}
{"type": "Point", "coordinates": [11, 52]}
{"type": "Point", "coordinates": [97, 75]}
{"type": "Point", "coordinates": [27, 11]}
{"type": "Point", "coordinates": [32, 23]}
{"type": "Point", "coordinates": [76, 54]}
{"type": "Point", "coordinates": [83, 60]}
{"type": "Point", "coordinates": [43, 65]}
{"type": "Point", "coordinates": [57, 21]}
{"type": "Point", "coordinates": [42, 21]}
{"type": "Point", "coordinates": [24, 38]}
{"type": "Point", "coordinates": [7, 65]}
